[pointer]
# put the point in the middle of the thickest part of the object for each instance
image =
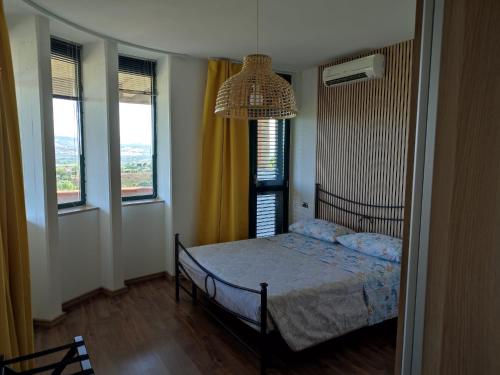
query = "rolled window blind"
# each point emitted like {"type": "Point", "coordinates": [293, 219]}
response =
{"type": "Point", "coordinates": [136, 80]}
{"type": "Point", "coordinates": [65, 63]}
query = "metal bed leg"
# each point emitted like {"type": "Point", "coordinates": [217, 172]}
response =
{"type": "Point", "coordinates": [316, 201]}
{"type": "Point", "coordinates": [177, 271]}
{"type": "Point", "coordinates": [194, 292]}
{"type": "Point", "coordinates": [264, 354]}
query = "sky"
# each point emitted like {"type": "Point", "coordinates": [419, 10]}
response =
{"type": "Point", "coordinates": [64, 118]}
{"type": "Point", "coordinates": [135, 121]}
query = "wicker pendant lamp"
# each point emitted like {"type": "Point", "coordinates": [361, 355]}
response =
{"type": "Point", "coordinates": [256, 92]}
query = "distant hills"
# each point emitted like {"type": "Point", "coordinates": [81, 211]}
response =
{"type": "Point", "coordinates": [65, 150]}
{"type": "Point", "coordinates": [130, 153]}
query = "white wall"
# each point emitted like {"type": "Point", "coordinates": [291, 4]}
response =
{"type": "Point", "coordinates": [148, 230]}
{"type": "Point", "coordinates": [143, 240]}
{"type": "Point", "coordinates": [102, 153]}
{"type": "Point", "coordinates": [144, 225]}
{"type": "Point", "coordinates": [79, 247]}
{"type": "Point", "coordinates": [303, 145]}
{"type": "Point", "coordinates": [164, 155]}
{"type": "Point", "coordinates": [70, 253]}
{"type": "Point", "coordinates": [30, 43]}
{"type": "Point", "coordinates": [187, 88]}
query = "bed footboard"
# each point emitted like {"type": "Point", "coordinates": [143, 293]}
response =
{"type": "Point", "coordinates": [264, 352]}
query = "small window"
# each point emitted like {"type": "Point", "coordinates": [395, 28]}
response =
{"type": "Point", "coordinates": [68, 131]}
{"type": "Point", "coordinates": [136, 81]}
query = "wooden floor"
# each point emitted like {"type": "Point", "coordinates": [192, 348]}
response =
{"type": "Point", "coordinates": [145, 332]}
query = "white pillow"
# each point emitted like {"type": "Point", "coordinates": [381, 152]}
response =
{"type": "Point", "coordinates": [374, 244]}
{"type": "Point", "coordinates": [320, 229]}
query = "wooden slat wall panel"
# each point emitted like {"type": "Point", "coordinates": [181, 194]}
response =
{"type": "Point", "coordinates": [362, 139]}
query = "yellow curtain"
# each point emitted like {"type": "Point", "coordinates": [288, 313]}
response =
{"type": "Point", "coordinates": [223, 213]}
{"type": "Point", "coordinates": [16, 326]}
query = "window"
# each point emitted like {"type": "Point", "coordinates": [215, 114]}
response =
{"type": "Point", "coordinates": [269, 171]}
{"type": "Point", "coordinates": [136, 81]}
{"type": "Point", "coordinates": [269, 156]}
{"type": "Point", "coordinates": [68, 131]}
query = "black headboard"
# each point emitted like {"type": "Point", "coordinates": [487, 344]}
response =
{"type": "Point", "coordinates": [380, 218]}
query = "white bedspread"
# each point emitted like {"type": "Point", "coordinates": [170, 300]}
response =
{"type": "Point", "coordinates": [317, 290]}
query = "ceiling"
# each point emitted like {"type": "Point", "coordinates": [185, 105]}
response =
{"type": "Point", "coordinates": [296, 33]}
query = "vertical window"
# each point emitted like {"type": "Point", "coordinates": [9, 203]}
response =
{"type": "Point", "coordinates": [269, 171]}
{"type": "Point", "coordinates": [269, 156]}
{"type": "Point", "coordinates": [136, 80]}
{"type": "Point", "coordinates": [68, 131]}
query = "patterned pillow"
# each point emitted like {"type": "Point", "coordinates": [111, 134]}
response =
{"type": "Point", "coordinates": [374, 244]}
{"type": "Point", "coordinates": [320, 229]}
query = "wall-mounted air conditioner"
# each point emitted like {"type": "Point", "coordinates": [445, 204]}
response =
{"type": "Point", "coordinates": [362, 69]}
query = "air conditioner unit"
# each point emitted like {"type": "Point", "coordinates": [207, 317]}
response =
{"type": "Point", "coordinates": [362, 69]}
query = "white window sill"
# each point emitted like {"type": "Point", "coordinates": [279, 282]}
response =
{"type": "Point", "coordinates": [76, 210]}
{"type": "Point", "coordinates": [142, 201]}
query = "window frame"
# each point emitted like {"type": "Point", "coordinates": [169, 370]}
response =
{"type": "Point", "coordinates": [79, 103]}
{"type": "Point", "coordinates": [154, 195]}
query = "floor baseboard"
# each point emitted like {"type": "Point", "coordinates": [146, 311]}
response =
{"type": "Point", "coordinates": [44, 323]}
{"type": "Point", "coordinates": [149, 277]}
{"type": "Point", "coordinates": [80, 299]}
{"type": "Point", "coordinates": [74, 302]}
{"type": "Point", "coordinates": [114, 293]}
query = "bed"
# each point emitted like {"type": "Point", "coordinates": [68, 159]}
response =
{"type": "Point", "coordinates": [307, 289]}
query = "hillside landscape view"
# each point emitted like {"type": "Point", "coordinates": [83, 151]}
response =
{"type": "Point", "coordinates": [136, 165]}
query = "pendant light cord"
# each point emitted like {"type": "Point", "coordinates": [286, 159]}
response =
{"type": "Point", "coordinates": [257, 26]}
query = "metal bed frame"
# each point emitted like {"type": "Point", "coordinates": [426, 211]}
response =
{"type": "Point", "coordinates": [264, 349]}
{"type": "Point", "coordinates": [357, 209]}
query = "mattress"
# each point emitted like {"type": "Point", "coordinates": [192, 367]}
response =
{"type": "Point", "coordinates": [316, 290]}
